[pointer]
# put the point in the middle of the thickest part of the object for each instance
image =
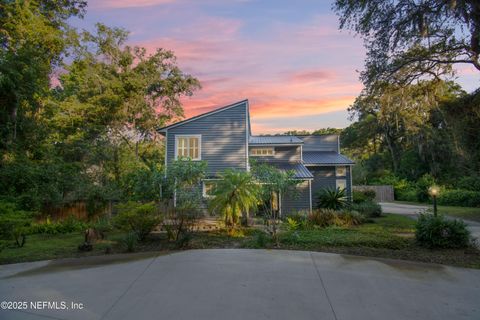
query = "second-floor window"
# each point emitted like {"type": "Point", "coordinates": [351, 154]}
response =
{"type": "Point", "coordinates": [188, 146]}
{"type": "Point", "coordinates": [262, 152]}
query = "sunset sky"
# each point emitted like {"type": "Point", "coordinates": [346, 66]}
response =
{"type": "Point", "coordinates": [287, 57]}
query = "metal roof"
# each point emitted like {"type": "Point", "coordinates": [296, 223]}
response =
{"type": "Point", "coordinates": [261, 140]}
{"type": "Point", "coordinates": [301, 172]}
{"type": "Point", "coordinates": [325, 158]}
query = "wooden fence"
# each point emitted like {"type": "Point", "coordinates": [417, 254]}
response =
{"type": "Point", "coordinates": [382, 193]}
{"type": "Point", "coordinates": [77, 209]}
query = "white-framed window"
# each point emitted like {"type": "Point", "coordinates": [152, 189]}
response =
{"type": "Point", "coordinates": [341, 184]}
{"type": "Point", "coordinates": [188, 146]}
{"type": "Point", "coordinates": [341, 171]}
{"type": "Point", "coordinates": [262, 152]}
{"type": "Point", "coordinates": [208, 187]}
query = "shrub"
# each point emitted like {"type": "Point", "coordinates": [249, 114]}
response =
{"type": "Point", "coordinates": [14, 224]}
{"type": "Point", "coordinates": [322, 217]}
{"type": "Point", "coordinates": [369, 209]}
{"type": "Point", "coordinates": [138, 218]}
{"type": "Point", "coordinates": [459, 198]}
{"type": "Point", "coordinates": [348, 218]}
{"type": "Point", "coordinates": [334, 199]}
{"type": "Point", "coordinates": [102, 226]}
{"type": "Point", "coordinates": [471, 183]}
{"type": "Point", "coordinates": [261, 239]}
{"type": "Point", "coordinates": [406, 195]}
{"type": "Point", "coordinates": [423, 184]}
{"type": "Point", "coordinates": [130, 241]}
{"type": "Point", "coordinates": [71, 224]}
{"type": "Point", "coordinates": [360, 196]}
{"type": "Point", "coordinates": [181, 220]}
{"type": "Point", "coordinates": [292, 224]}
{"type": "Point", "coordinates": [328, 217]}
{"type": "Point", "coordinates": [438, 232]}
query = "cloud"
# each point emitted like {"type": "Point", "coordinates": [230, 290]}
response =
{"type": "Point", "coordinates": [286, 70]}
{"type": "Point", "coordinates": [118, 4]}
{"type": "Point", "coordinates": [312, 76]}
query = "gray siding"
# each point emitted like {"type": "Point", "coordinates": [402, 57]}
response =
{"type": "Point", "coordinates": [320, 143]}
{"type": "Point", "coordinates": [284, 153]}
{"type": "Point", "coordinates": [296, 201]}
{"type": "Point", "coordinates": [324, 177]}
{"type": "Point", "coordinates": [224, 139]}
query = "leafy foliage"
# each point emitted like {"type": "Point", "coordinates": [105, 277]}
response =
{"type": "Point", "coordinates": [327, 217]}
{"type": "Point", "coordinates": [334, 199]}
{"type": "Point", "coordinates": [408, 40]}
{"type": "Point", "coordinates": [360, 196]}
{"type": "Point", "coordinates": [235, 195]}
{"type": "Point", "coordinates": [273, 183]}
{"type": "Point", "coordinates": [463, 198]}
{"type": "Point", "coordinates": [71, 224]}
{"type": "Point", "coordinates": [82, 128]}
{"type": "Point", "coordinates": [14, 223]}
{"type": "Point", "coordinates": [183, 195]}
{"type": "Point", "coordinates": [368, 209]}
{"type": "Point", "coordinates": [140, 219]}
{"type": "Point", "coordinates": [130, 241]}
{"type": "Point", "coordinates": [438, 232]}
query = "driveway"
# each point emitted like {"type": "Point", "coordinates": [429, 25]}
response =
{"type": "Point", "coordinates": [414, 210]}
{"type": "Point", "coordinates": [243, 284]}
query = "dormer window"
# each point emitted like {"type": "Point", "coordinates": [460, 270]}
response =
{"type": "Point", "coordinates": [188, 147]}
{"type": "Point", "coordinates": [259, 152]}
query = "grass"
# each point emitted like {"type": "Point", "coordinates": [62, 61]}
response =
{"type": "Point", "coordinates": [468, 213]}
{"type": "Point", "coordinates": [45, 247]}
{"type": "Point", "coordinates": [390, 232]}
{"type": "Point", "coordinates": [389, 236]}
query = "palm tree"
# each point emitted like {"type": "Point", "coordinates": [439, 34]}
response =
{"type": "Point", "coordinates": [235, 195]}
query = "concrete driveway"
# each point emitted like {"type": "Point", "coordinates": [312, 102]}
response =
{"type": "Point", "coordinates": [414, 210]}
{"type": "Point", "coordinates": [243, 284]}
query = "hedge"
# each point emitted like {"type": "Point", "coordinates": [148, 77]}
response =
{"type": "Point", "coordinates": [464, 198]}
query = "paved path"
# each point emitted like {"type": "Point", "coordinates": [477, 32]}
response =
{"type": "Point", "coordinates": [243, 284]}
{"type": "Point", "coordinates": [414, 210]}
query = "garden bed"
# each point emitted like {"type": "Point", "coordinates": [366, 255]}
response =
{"type": "Point", "coordinates": [390, 236]}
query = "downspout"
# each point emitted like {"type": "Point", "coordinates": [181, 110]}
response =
{"type": "Point", "coordinates": [310, 191]}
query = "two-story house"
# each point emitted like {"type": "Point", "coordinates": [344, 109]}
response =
{"type": "Point", "coordinates": [223, 139]}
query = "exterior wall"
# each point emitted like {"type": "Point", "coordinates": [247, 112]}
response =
{"type": "Point", "coordinates": [282, 153]}
{"type": "Point", "coordinates": [292, 203]}
{"type": "Point", "coordinates": [320, 143]}
{"type": "Point", "coordinates": [223, 141]}
{"type": "Point", "coordinates": [324, 177]}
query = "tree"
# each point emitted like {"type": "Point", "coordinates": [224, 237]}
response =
{"type": "Point", "coordinates": [93, 136]}
{"type": "Point", "coordinates": [274, 185]}
{"type": "Point", "coordinates": [407, 40]}
{"type": "Point", "coordinates": [34, 35]}
{"type": "Point", "coordinates": [402, 115]}
{"type": "Point", "coordinates": [182, 192]}
{"type": "Point", "coordinates": [235, 194]}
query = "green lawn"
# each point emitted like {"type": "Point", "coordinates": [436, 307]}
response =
{"type": "Point", "coordinates": [468, 213]}
{"type": "Point", "coordinates": [390, 236]}
{"type": "Point", "coordinates": [45, 247]}
{"type": "Point", "coordinates": [390, 232]}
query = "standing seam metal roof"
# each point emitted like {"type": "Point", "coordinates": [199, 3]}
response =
{"type": "Point", "coordinates": [301, 172]}
{"type": "Point", "coordinates": [274, 140]}
{"type": "Point", "coordinates": [325, 157]}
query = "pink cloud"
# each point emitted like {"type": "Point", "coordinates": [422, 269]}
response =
{"type": "Point", "coordinates": [298, 71]}
{"type": "Point", "coordinates": [312, 76]}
